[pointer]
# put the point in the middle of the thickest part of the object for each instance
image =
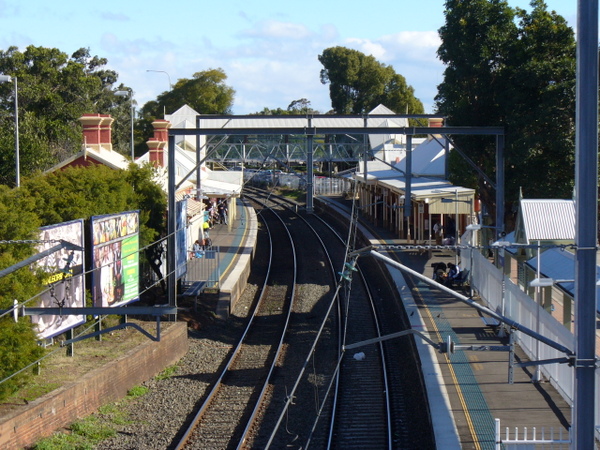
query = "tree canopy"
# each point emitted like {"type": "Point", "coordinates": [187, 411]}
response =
{"type": "Point", "coordinates": [74, 193]}
{"type": "Point", "coordinates": [299, 106]}
{"type": "Point", "coordinates": [358, 83]}
{"type": "Point", "coordinates": [206, 92]}
{"type": "Point", "coordinates": [512, 68]}
{"type": "Point", "coordinates": [54, 90]}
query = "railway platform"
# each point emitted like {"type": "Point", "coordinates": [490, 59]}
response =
{"type": "Point", "coordinates": [468, 389]}
{"type": "Point", "coordinates": [235, 242]}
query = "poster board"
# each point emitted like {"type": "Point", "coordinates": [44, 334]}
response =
{"type": "Point", "coordinates": [115, 259]}
{"type": "Point", "coordinates": [65, 280]}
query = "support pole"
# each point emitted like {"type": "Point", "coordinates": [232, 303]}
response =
{"type": "Point", "coordinates": [171, 226]}
{"type": "Point", "coordinates": [499, 185]}
{"type": "Point", "coordinates": [310, 187]}
{"type": "Point", "coordinates": [586, 179]}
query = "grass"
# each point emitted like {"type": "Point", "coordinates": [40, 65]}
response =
{"type": "Point", "coordinates": [167, 373]}
{"type": "Point", "coordinates": [294, 194]}
{"type": "Point", "coordinates": [137, 391]}
{"type": "Point", "coordinates": [87, 433]}
{"type": "Point", "coordinates": [84, 435]}
{"type": "Point", "coordinates": [35, 390]}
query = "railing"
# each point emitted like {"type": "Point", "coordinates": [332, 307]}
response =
{"type": "Point", "coordinates": [331, 186]}
{"type": "Point", "coordinates": [506, 298]}
{"type": "Point", "coordinates": [529, 440]}
{"type": "Point", "coordinates": [204, 268]}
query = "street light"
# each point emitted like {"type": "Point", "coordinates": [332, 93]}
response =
{"type": "Point", "coordinates": [129, 95]}
{"type": "Point", "coordinates": [162, 71]}
{"type": "Point", "coordinates": [8, 79]}
{"type": "Point", "coordinates": [538, 282]}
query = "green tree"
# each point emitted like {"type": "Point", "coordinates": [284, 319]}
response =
{"type": "Point", "coordinates": [206, 92]}
{"type": "Point", "coordinates": [74, 193]}
{"type": "Point", "coordinates": [515, 69]}
{"type": "Point", "coordinates": [300, 106]}
{"type": "Point", "coordinates": [82, 192]}
{"type": "Point", "coordinates": [54, 90]}
{"type": "Point", "coordinates": [358, 83]}
{"type": "Point", "coordinates": [540, 106]}
{"type": "Point", "coordinates": [18, 347]}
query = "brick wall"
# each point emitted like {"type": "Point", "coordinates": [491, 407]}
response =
{"type": "Point", "coordinates": [63, 406]}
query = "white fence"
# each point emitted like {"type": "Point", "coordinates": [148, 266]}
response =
{"type": "Point", "coordinates": [506, 298]}
{"type": "Point", "coordinates": [331, 186]}
{"type": "Point", "coordinates": [529, 439]}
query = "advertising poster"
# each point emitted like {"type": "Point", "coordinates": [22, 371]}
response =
{"type": "Point", "coordinates": [181, 238]}
{"type": "Point", "coordinates": [65, 278]}
{"type": "Point", "coordinates": [115, 259]}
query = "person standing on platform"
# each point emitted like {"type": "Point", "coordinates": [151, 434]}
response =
{"type": "Point", "coordinates": [222, 208]}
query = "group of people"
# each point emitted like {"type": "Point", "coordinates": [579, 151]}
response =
{"type": "Point", "coordinates": [199, 247]}
{"type": "Point", "coordinates": [444, 236]}
{"type": "Point", "coordinates": [216, 211]}
{"type": "Point", "coordinates": [446, 274]}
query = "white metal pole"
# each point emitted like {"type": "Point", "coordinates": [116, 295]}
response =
{"type": "Point", "coordinates": [132, 116]}
{"type": "Point", "coordinates": [456, 226]}
{"type": "Point", "coordinates": [537, 376]}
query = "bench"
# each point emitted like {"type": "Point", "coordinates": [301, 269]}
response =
{"type": "Point", "coordinates": [462, 279]}
{"type": "Point", "coordinates": [194, 289]}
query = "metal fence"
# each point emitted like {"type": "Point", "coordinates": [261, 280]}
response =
{"type": "Point", "coordinates": [331, 186]}
{"type": "Point", "coordinates": [204, 268]}
{"type": "Point", "coordinates": [506, 298]}
{"type": "Point", "coordinates": [321, 185]}
{"type": "Point", "coordinates": [524, 439]}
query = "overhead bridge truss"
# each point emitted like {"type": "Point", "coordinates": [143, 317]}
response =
{"type": "Point", "coordinates": [311, 128]}
{"type": "Point", "coordinates": [269, 151]}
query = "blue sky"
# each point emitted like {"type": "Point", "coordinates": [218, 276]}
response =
{"type": "Point", "coordinates": [267, 48]}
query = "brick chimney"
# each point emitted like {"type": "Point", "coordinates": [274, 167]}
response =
{"type": "Point", "coordinates": [97, 131]}
{"type": "Point", "coordinates": [435, 122]}
{"type": "Point", "coordinates": [158, 143]}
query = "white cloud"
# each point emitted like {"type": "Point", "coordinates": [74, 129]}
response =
{"type": "Point", "coordinates": [270, 64]}
{"type": "Point", "coordinates": [412, 54]}
{"type": "Point", "coordinates": [271, 29]}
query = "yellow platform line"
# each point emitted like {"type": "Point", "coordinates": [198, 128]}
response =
{"type": "Point", "coordinates": [453, 376]}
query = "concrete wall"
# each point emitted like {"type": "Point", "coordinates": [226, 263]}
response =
{"type": "Point", "coordinates": [59, 408]}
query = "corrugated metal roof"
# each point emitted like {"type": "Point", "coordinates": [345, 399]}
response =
{"type": "Point", "coordinates": [548, 219]}
{"type": "Point", "coordinates": [292, 122]}
{"type": "Point", "coordinates": [559, 264]}
{"type": "Point", "coordinates": [207, 121]}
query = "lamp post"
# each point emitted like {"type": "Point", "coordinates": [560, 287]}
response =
{"type": "Point", "coordinates": [129, 95]}
{"type": "Point", "coordinates": [162, 71]}
{"type": "Point", "coordinates": [8, 79]}
{"type": "Point", "coordinates": [538, 283]}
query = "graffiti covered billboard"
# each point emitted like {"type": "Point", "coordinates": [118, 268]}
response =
{"type": "Point", "coordinates": [65, 279]}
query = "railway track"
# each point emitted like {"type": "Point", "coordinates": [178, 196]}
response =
{"type": "Point", "coordinates": [357, 412]}
{"type": "Point", "coordinates": [235, 399]}
{"type": "Point", "coordinates": [303, 390]}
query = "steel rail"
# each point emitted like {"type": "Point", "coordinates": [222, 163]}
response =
{"type": "Point", "coordinates": [285, 202]}
{"type": "Point", "coordinates": [265, 386]}
{"type": "Point", "coordinates": [187, 437]}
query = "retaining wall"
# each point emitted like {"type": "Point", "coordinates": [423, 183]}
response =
{"type": "Point", "coordinates": [59, 408]}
